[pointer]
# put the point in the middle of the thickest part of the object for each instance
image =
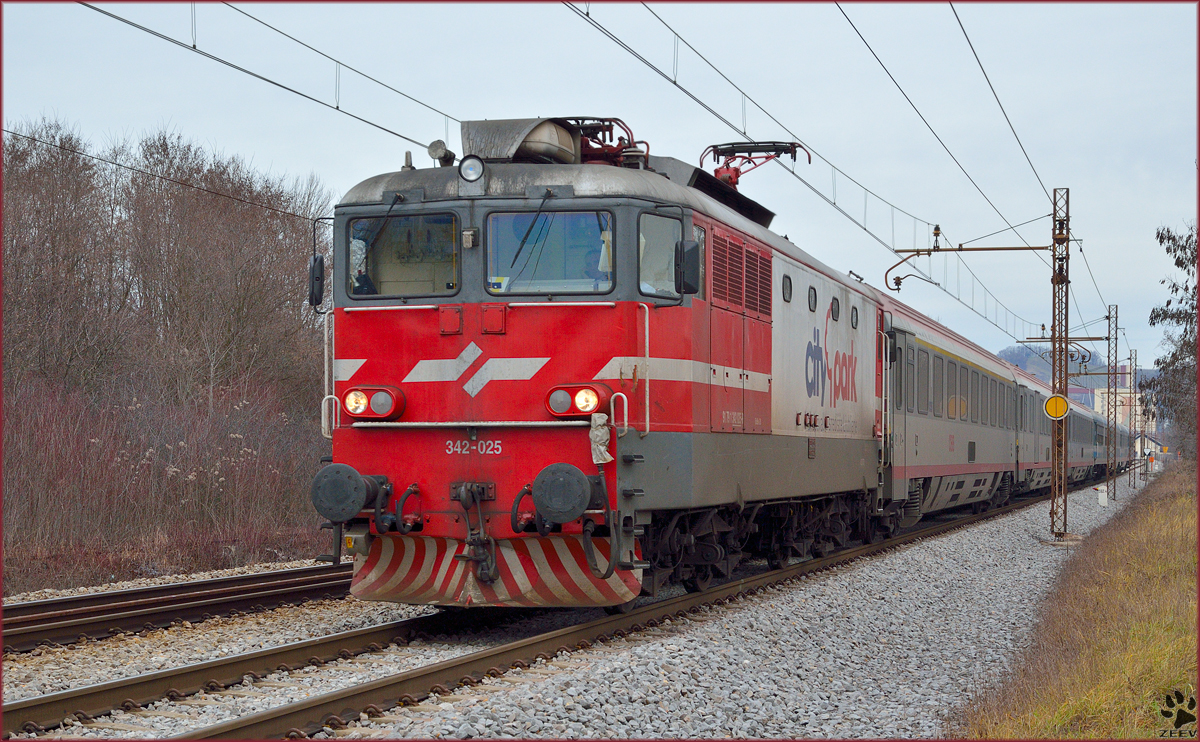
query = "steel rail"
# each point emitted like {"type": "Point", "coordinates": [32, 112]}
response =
{"type": "Point", "coordinates": [65, 620]}
{"type": "Point", "coordinates": [334, 708]}
{"type": "Point", "coordinates": [38, 713]}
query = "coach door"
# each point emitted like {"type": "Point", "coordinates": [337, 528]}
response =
{"type": "Point", "coordinates": [896, 480]}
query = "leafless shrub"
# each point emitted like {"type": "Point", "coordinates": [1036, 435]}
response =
{"type": "Point", "coordinates": [161, 370]}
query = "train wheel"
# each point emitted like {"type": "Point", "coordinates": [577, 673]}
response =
{"type": "Point", "coordinates": [700, 580]}
{"type": "Point", "coordinates": [779, 556]}
{"type": "Point", "coordinates": [614, 610]}
{"type": "Point", "coordinates": [876, 532]}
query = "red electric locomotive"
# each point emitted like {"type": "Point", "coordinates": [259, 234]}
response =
{"type": "Point", "coordinates": [568, 372]}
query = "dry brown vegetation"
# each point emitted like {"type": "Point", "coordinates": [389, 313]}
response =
{"type": "Point", "coordinates": [1118, 635]}
{"type": "Point", "coordinates": [161, 370]}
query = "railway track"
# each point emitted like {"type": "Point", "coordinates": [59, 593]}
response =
{"type": "Point", "coordinates": [94, 615]}
{"type": "Point", "coordinates": [408, 687]}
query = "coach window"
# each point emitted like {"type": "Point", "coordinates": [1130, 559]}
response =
{"type": "Point", "coordinates": [951, 389]}
{"type": "Point", "coordinates": [699, 235]}
{"type": "Point", "coordinates": [923, 382]}
{"type": "Point", "coordinates": [937, 386]}
{"type": "Point", "coordinates": [910, 378]}
{"type": "Point", "coordinates": [974, 396]}
{"type": "Point", "coordinates": [995, 405]}
{"type": "Point", "coordinates": [413, 255]}
{"type": "Point", "coordinates": [963, 377]}
{"type": "Point", "coordinates": [983, 399]}
{"type": "Point", "coordinates": [554, 252]}
{"type": "Point", "coordinates": [657, 236]}
{"type": "Point", "coordinates": [1011, 409]}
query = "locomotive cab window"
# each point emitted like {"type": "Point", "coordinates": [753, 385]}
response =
{"type": "Point", "coordinates": [554, 252]}
{"type": "Point", "coordinates": [657, 236]}
{"type": "Point", "coordinates": [414, 255]}
{"type": "Point", "coordinates": [699, 234]}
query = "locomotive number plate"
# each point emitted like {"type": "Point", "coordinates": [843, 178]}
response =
{"type": "Point", "coordinates": [466, 446]}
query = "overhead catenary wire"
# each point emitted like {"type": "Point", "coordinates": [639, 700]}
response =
{"type": "Point", "coordinates": [341, 63]}
{"type": "Point", "coordinates": [673, 80]}
{"type": "Point", "coordinates": [1021, 144]}
{"type": "Point", "coordinates": [255, 75]}
{"type": "Point", "coordinates": [997, 97]}
{"type": "Point", "coordinates": [159, 176]}
{"type": "Point", "coordinates": [745, 96]}
{"type": "Point", "coordinates": [928, 126]}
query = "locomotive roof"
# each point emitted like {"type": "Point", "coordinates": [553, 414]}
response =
{"type": "Point", "coordinates": [525, 180]}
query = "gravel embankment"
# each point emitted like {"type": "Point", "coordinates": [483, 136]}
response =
{"type": "Point", "coordinates": [884, 647]}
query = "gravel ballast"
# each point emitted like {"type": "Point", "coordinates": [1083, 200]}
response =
{"type": "Point", "coordinates": [883, 647]}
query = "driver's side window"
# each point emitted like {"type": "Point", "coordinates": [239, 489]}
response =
{"type": "Point", "coordinates": [657, 236]}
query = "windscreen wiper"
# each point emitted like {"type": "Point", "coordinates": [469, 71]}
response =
{"type": "Point", "coordinates": [536, 214]}
{"type": "Point", "coordinates": [397, 198]}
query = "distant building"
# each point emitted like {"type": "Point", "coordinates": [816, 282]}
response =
{"type": "Point", "coordinates": [1128, 402]}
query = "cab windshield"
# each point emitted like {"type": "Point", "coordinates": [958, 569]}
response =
{"type": "Point", "coordinates": [408, 255]}
{"type": "Point", "coordinates": [554, 252]}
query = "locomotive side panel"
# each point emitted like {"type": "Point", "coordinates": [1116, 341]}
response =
{"type": "Point", "coordinates": [824, 357]}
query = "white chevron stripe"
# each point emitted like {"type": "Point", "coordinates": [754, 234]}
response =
{"type": "Point", "coordinates": [503, 369]}
{"type": "Point", "coordinates": [344, 368]}
{"type": "Point", "coordinates": [680, 369]}
{"type": "Point", "coordinates": [445, 369]}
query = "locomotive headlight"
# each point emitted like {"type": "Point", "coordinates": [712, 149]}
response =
{"type": "Point", "coordinates": [470, 169]}
{"type": "Point", "coordinates": [356, 402]}
{"type": "Point", "coordinates": [586, 400]}
{"type": "Point", "coordinates": [560, 401]}
{"type": "Point", "coordinates": [382, 403]}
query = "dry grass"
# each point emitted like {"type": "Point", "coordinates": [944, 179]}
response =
{"type": "Point", "coordinates": [1119, 634]}
{"type": "Point", "coordinates": [96, 492]}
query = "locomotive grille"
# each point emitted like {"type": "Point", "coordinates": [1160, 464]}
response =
{"type": "Point", "coordinates": [752, 281]}
{"type": "Point", "coordinates": [736, 271]}
{"type": "Point", "coordinates": [720, 278]}
{"type": "Point", "coordinates": [758, 282]}
{"type": "Point", "coordinates": [765, 285]}
{"type": "Point", "coordinates": [741, 276]}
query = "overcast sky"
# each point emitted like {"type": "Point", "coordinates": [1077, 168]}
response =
{"type": "Point", "coordinates": [1103, 97]}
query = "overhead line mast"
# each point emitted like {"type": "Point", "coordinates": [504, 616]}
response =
{"type": "Point", "coordinates": [1060, 343]}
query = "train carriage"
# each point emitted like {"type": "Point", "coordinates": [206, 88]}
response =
{"type": "Point", "coordinates": [568, 372]}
